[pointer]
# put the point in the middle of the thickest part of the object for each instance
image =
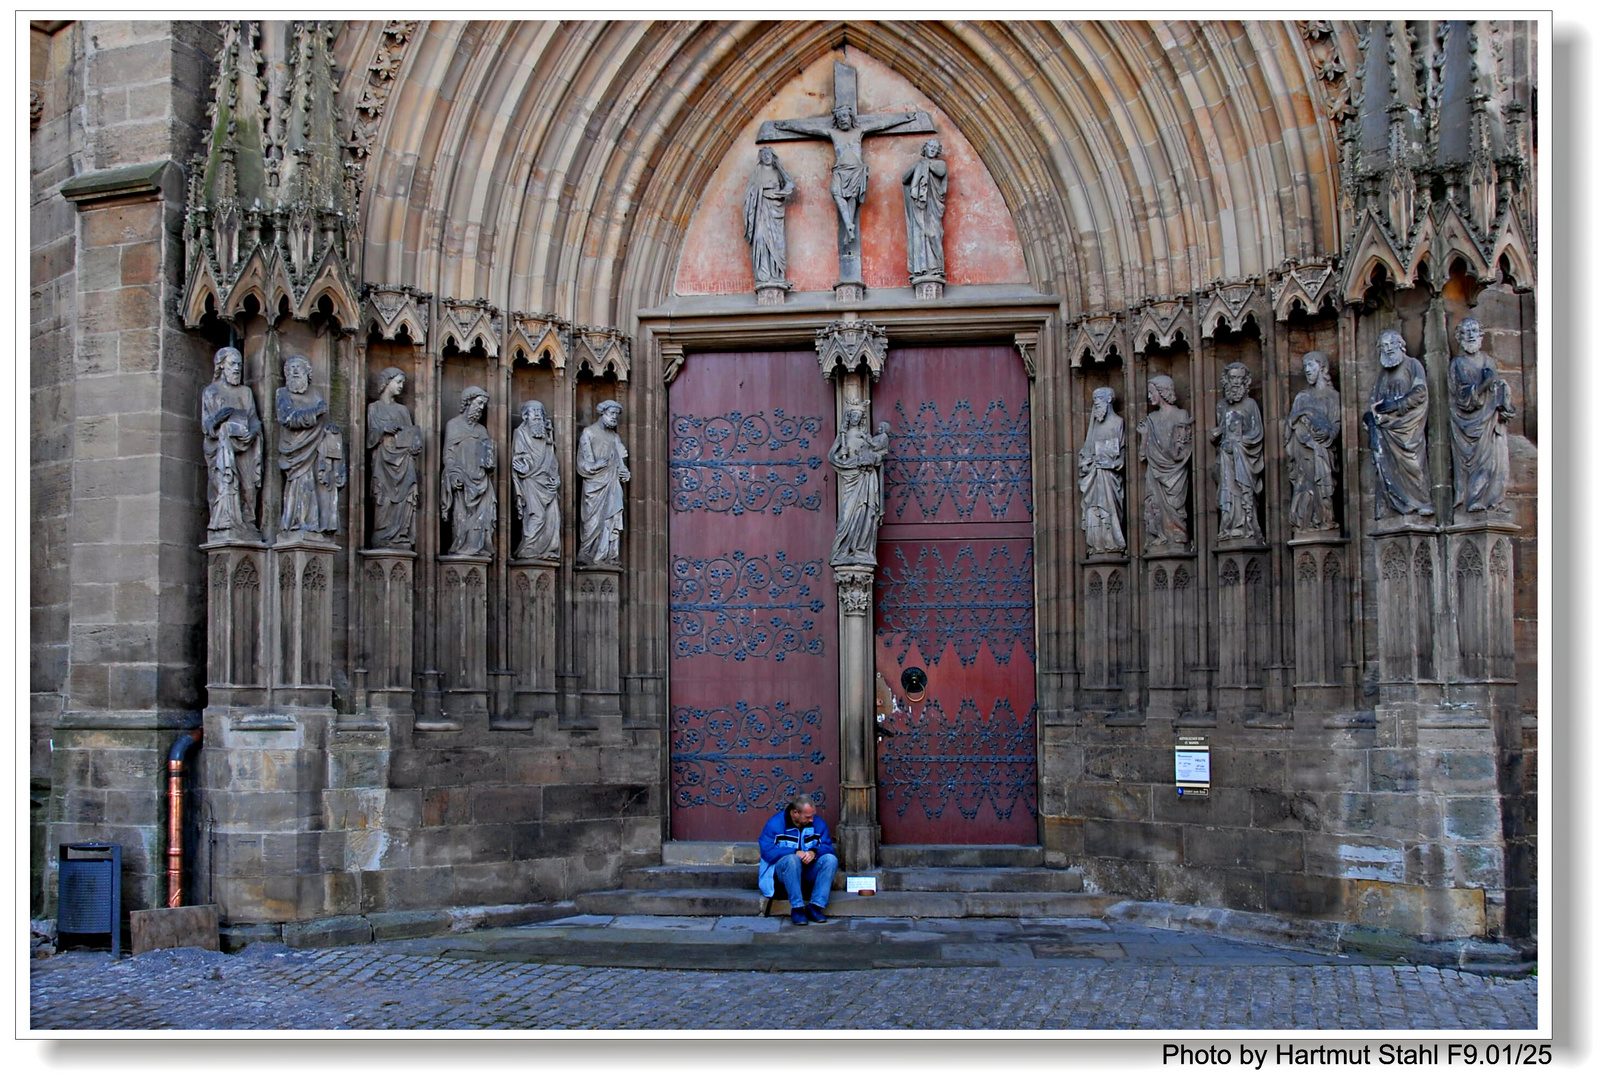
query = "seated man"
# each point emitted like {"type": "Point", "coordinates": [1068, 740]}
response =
{"type": "Point", "coordinates": [796, 848]}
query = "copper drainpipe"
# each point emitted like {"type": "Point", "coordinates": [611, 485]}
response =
{"type": "Point", "coordinates": [176, 813]}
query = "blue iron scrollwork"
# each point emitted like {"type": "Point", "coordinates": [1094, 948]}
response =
{"type": "Point", "coordinates": [736, 463]}
{"type": "Point", "coordinates": [963, 763]}
{"type": "Point", "coordinates": [972, 603]}
{"type": "Point", "coordinates": [744, 757]}
{"type": "Point", "coordinates": [962, 458]}
{"type": "Point", "coordinates": [737, 606]}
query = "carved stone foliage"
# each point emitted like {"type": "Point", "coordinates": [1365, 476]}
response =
{"type": "Point", "coordinates": [312, 458]}
{"type": "Point", "coordinates": [738, 463]}
{"type": "Point", "coordinates": [1098, 465]}
{"type": "Point", "coordinates": [272, 208]}
{"type": "Point", "coordinates": [1239, 437]}
{"type": "Point", "coordinates": [395, 443]}
{"type": "Point", "coordinates": [391, 310]}
{"type": "Point", "coordinates": [1397, 430]}
{"type": "Point", "coordinates": [858, 457]}
{"type": "Point", "coordinates": [380, 76]}
{"type": "Point", "coordinates": [602, 465]}
{"type": "Point", "coordinates": [849, 344]}
{"type": "Point", "coordinates": [232, 442]}
{"type": "Point", "coordinates": [1165, 445]}
{"type": "Point", "coordinates": [855, 589]}
{"type": "Point", "coordinates": [1309, 436]}
{"type": "Point", "coordinates": [1095, 339]}
{"type": "Point", "coordinates": [739, 605]}
{"type": "Point", "coordinates": [1481, 405]}
{"type": "Point", "coordinates": [603, 352]}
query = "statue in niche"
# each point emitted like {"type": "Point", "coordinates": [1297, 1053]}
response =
{"type": "Point", "coordinates": [1167, 453]}
{"type": "Point", "coordinates": [1481, 405]}
{"type": "Point", "coordinates": [1312, 430]}
{"type": "Point", "coordinates": [311, 454]}
{"type": "Point", "coordinates": [857, 458]}
{"type": "Point", "coordinates": [1099, 463]}
{"type": "Point", "coordinates": [469, 502]}
{"type": "Point", "coordinates": [924, 191]}
{"type": "Point", "coordinates": [232, 441]}
{"type": "Point", "coordinates": [602, 464]}
{"type": "Point", "coordinates": [1397, 430]}
{"type": "Point", "coordinates": [395, 443]}
{"type": "Point", "coordinates": [848, 183]}
{"type": "Point", "coordinates": [770, 186]}
{"type": "Point", "coordinates": [1239, 437]}
{"type": "Point", "coordinates": [537, 484]}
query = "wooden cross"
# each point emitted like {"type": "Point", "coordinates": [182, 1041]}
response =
{"type": "Point", "coordinates": [848, 181]}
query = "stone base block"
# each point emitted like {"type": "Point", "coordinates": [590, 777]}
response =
{"type": "Point", "coordinates": [235, 938]}
{"type": "Point", "coordinates": [927, 290]}
{"type": "Point", "coordinates": [325, 933]}
{"type": "Point", "coordinates": [193, 927]}
{"type": "Point", "coordinates": [848, 293]}
{"type": "Point", "coordinates": [768, 295]}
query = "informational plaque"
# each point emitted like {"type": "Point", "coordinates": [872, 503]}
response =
{"type": "Point", "coordinates": [859, 884]}
{"type": "Point", "coordinates": [1192, 766]}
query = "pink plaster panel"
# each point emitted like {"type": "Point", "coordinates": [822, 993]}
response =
{"type": "Point", "coordinates": [982, 245]}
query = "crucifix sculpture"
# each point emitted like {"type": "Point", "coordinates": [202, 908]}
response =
{"type": "Point", "coordinates": [848, 183]}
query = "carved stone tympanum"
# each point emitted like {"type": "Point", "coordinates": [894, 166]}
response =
{"type": "Point", "coordinates": [857, 457]}
{"type": "Point", "coordinates": [395, 443]}
{"type": "Point", "coordinates": [1239, 437]}
{"type": "Point", "coordinates": [311, 455]}
{"type": "Point", "coordinates": [232, 440]}
{"type": "Point", "coordinates": [1397, 430]}
{"type": "Point", "coordinates": [602, 465]}
{"type": "Point", "coordinates": [1167, 454]}
{"type": "Point", "coordinates": [769, 188]}
{"type": "Point", "coordinates": [469, 502]}
{"type": "Point", "coordinates": [924, 194]}
{"type": "Point", "coordinates": [537, 484]}
{"type": "Point", "coordinates": [1310, 434]}
{"type": "Point", "coordinates": [1099, 463]}
{"type": "Point", "coordinates": [1481, 405]}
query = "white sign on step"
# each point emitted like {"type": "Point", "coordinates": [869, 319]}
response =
{"type": "Point", "coordinates": [859, 884]}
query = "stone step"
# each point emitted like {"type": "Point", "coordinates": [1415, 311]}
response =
{"type": "Point", "coordinates": [934, 855]}
{"type": "Point", "coordinates": [889, 879]}
{"type": "Point", "coordinates": [928, 905]}
{"type": "Point", "coordinates": [709, 853]}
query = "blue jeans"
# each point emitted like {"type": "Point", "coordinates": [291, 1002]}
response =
{"type": "Point", "coordinates": [819, 874]}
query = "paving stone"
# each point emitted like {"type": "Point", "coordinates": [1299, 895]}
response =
{"type": "Point", "coordinates": [663, 922]}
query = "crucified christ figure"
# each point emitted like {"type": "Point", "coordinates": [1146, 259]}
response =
{"type": "Point", "coordinates": [849, 181]}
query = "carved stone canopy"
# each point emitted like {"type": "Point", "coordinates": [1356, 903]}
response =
{"type": "Point", "coordinates": [468, 323]}
{"type": "Point", "coordinates": [850, 343]}
{"type": "Point", "coordinates": [1310, 285]}
{"type": "Point", "coordinates": [541, 338]}
{"type": "Point", "coordinates": [1229, 305]}
{"type": "Point", "coordinates": [1162, 323]}
{"type": "Point", "coordinates": [603, 351]}
{"type": "Point", "coordinates": [393, 309]}
{"type": "Point", "coordinates": [1095, 339]}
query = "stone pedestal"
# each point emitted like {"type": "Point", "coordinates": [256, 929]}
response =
{"type": "Point", "coordinates": [388, 652]}
{"type": "Point", "coordinates": [1323, 675]}
{"type": "Point", "coordinates": [768, 295]}
{"type": "Point", "coordinates": [928, 288]}
{"type": "Point", "coordinates": [303, 568]}
{"type": "Point", "coordinates": [237, 622]}
{"type": "Point", "coordinates": [596, 622]}
{"type": "Point", "coordinates": [532, 643]}
{"type": "Point", "coordinates": [849, 292]}
{"type": "Point", "coordinates": [1172, 628]}
{"type": "Point", "coordinates": [1106, 631]}
{"type": "Point", "coordinates": [1243, 629]}
{"type": "Point", "coordinates": [462, 637]}
{"type": "Point", "coordinates": [859, 819]}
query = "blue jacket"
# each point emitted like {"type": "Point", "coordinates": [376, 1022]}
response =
{"type": "Point", "coordinates": [779, 841]}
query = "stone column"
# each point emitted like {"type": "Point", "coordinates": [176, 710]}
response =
{"type": "Point", "coordinates": [859, 818]}
{"type": "Point", "coordinates": [532, 642]}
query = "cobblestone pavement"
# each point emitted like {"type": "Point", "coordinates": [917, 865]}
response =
{"type": "Point", "coordinates": [403, 985]}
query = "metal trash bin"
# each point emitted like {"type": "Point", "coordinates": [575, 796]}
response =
{"type": "Point", "coordinates": [89, 890]}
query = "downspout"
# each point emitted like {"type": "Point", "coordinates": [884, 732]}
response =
{"type": "Point", "coordinates": [176, 813]}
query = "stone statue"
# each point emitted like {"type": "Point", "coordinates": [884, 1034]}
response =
{"type": "Point", "coordinates": [1310, 433]}
{"type": "Point", "coordinates": [848, 183]}
{"type": "Point", "coordinates": [1239, 437]}
{"type": "Point", "coordinates": [602, 464]}
{"type": "Point", "coordinates": [232, 441]}
{"type": "Point", "coordinates": [1167, 452]}
{"type": "Point", "coordinates": [924, 191]}
{"type": "Point", "coordinates": [311, 454]}
{"type": "Point", "coordinates": [469, 457]}
{"type": "Point", "coordinates": [1099, 464]}
{"type": "Point", "coordinates": [1481, 405]}
{"type": "Point", "coordinates": [537, 484]}
{"type": "Point", "coordinates": [1397, 430]}
{"type": "Point", "coordinates": [765, 196]}
{"type": "Point", "coordinates": [394, 443]}
{"type": "Point", "coordinates": [857, 457]}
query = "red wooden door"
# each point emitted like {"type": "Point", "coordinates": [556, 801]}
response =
{"type": "Point", "coordinates": [754, 686]}
{"type": "Point", "coordinates": [954, 598]}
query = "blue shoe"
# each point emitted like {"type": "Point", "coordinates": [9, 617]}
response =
{"type": "Point", "coordinates": [815, 913]}
{"type": "Point", "coordinates": [798, 916]}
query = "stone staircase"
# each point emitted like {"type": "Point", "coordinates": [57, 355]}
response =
{"type": "Point", "coordinates": [704, 879]}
